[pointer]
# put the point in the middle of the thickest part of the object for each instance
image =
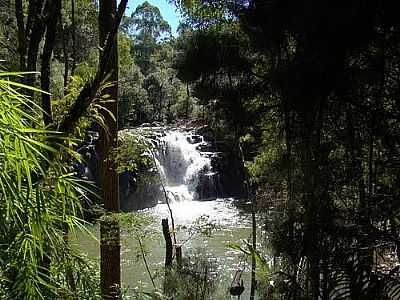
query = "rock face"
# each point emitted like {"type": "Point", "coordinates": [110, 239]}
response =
{"type": "Point", "coordinates": [189, 166]}
{"type": "Point", "coordinates": [138, 194]}
{"type": "Point", "coordinates": [227, 178]}
{"type": "Point", "coordinates": [141, 187]}
{"type": "Point", "coordinates": [189, 163]}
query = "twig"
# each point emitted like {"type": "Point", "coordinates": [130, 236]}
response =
{"type": "Point", "coordinates": [162, 186]}
{"type": "Point", "coordinates": [166, 197]}
{"type": "Point", "coordinates": [145, 262]}
{"type": "Point", "coordinates": [254, 228]}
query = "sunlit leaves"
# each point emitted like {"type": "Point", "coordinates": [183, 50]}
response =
{"type": "Point", "coordinates": [40, 198]}
{"type": "Point", "coordinates": [132, 153]}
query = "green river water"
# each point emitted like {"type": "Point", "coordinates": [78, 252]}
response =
{"type": "Point", "coordinates": [230, 225]}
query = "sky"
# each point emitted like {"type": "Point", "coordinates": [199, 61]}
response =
{"type": "Point", "coordinates": [168, 11]}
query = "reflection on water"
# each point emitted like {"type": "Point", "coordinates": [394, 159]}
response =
{"type": "Point", "coordinates": [222, 212]}
{"type": "Point", "coordinates": [231, 226]}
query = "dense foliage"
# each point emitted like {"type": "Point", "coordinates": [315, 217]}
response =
{"type": "Point", "coordinates": [321, 79]}
{"type": "Point", "coordinates": [40, 203]}
{"type": "Point", "coordinates": [150, 89]}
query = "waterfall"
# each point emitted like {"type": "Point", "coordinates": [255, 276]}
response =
{"type": "Point", "coordinates": [183, 166]}
{"type": "Point", "coordinates": [189, 167]}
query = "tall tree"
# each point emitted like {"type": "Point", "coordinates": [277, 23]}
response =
{"type": "Point", "coordinates": [41, 21]}
{"type": "Point", "coordinates": [53, 15]}
{"type": "Point", "coordinates": [147, 24]}
{"type": "Point", "coordinates": [109, 226]}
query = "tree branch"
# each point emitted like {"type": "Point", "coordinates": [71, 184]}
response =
{"type": "Point", "coordinates": [90, 89]}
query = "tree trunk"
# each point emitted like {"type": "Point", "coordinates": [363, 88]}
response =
{"type": "Point", "coordinates": [168, 279]}
{"type": "Point", "coordinates": [66, 56]}
{"type": "Point", "coordinates": [178, 251]}
{"type": "Point", "coordinates": [53, 10]}
{"type": "Point", "coordinates": [251, 196]}
{"type": "Point", "coordinates": [187, 101]}
{"type": "Point", "coordinates": [19, 14]}
{"type": "Point", "coordinates": [310, 146]}
{"type": "Point", "coordinates": [110, 270]}
{"type": "Point", "coordinates": [35, 36]}
{"type": "Point", "coordinates": [73, 37]}
{"type": "Point", "coordinates": [254, 246]}
{"type": "Point", "coordinates": [109, 227]}
{"type": "Point", "coordinates": [168, 243]}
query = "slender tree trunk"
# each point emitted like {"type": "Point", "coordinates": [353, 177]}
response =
{"type": "Point", "coordinates": [69, 273]}
{"type": "Point", "coordinates": [251, 197]}
{"type": "Point", "coordinates": [29, 37]}
{"type": "Point", "coordinates": [178, 251]}
{"type": "Point", "coordinates": [66, 56]}
{"type": "Point", "coordinates": [53, 10]}
{"type": "Point", "coordinates": [168, 256]}
{"type": "Point", "coordinates": [355, 153]}
{"type": "Point", "coordinates": [73, 37]}
{"type": "Point", "coordinates": [19, 14]}
{"type": "Point", "coordinates": [370, 161]}
{"type": "Point", "coordinates": [168, 243]}
{"type": "Point", "coordinates": [187, 100]}
{"type": "Point", "coordinates": [29, 21]}
{"type": "Point", "coordinates": [146, 263]}
{"type": "Point", "coordinates": [290, 201]}
{"type": "Point", "coordinates": [109, 227]}
{"type": "Point", "coordinates": [310, 168]}
{"type": "Point", "coordinates": [35, 36]}
{"type": "Point", "coordinates": [254, 246]}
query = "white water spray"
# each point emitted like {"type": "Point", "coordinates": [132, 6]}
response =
{"type": "Point", "coordinates": [181, 163]}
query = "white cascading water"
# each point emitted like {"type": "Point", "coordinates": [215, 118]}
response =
{"type": "Point", "coordinates": [180, 164]}
{"type": "Point", "coordinates": [184, 163]}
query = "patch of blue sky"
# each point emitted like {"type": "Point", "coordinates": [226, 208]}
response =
{"type": "Point", "coordinates": [168, 11]}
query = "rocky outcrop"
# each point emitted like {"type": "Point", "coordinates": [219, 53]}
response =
{"type": "Point", "coordinates": [227, 180]}
{"type": "Point", "coordinates": [139, 192]}
{"type": "Point", "coordinates": [198, 166]}
{"type": "Point", "coordinates": [220, 175]}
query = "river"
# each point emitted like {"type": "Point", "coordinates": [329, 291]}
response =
{"type": "Point", "coordinates": [205, 229]}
